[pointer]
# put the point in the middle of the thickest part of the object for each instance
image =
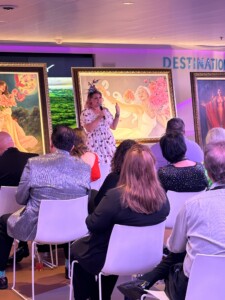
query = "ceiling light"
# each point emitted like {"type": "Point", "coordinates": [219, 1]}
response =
{"type": "Point", "coordinates": [58, 40]}
{"type": "Point", "coordinates": [128, 2]}
{"type": "Point", "coordinates": [8, 7]}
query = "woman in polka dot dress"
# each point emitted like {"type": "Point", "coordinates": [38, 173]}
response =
{"type": "Point", "coordinates": [98, 122]}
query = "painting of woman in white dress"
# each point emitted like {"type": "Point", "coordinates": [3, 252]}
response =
{"type": "Point", "coordinates": [19, 110]}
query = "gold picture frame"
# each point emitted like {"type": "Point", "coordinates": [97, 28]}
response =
{"type": "Point", "coordinates": [24, 105]}
{"type": "Point", "coordinates": [208, 100]}
{"type": "Point", "coordinates": [145, 96]}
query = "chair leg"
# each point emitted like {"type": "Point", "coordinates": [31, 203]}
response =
{"type": "Point", "coordinates": [160, 295]}
{"type": "Point", "coordinates": [71, 279]}
{"type": "Point", "coordinates": [51, 255]}
{"type": "Point", "coordinates": [14, 272]}
{"type": "Point", "coordinates": [145, 296]}
{"type": "Point", "coordinates": [69, 267]}
{"type": "Point", "coordinates": [51, 264]}
{"type": "Point", "coordinates": [32, 267]}
{"type": "Point", "coordinates": [100, 285]}
{"type": "Point", "coordinates": [14, 264]}
{"type": "Point", "coordinates": [56, 256]}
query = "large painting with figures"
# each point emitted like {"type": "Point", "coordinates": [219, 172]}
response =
{"type": "Point", "coordinates": [208, 98]}
{"type": "Point", "coordinates": [24, 106]}
{"type": "Point", "coordinates": [145, 97]}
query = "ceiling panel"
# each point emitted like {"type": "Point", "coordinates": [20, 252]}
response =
{"type": "Point", "coordinates": [146, 22]}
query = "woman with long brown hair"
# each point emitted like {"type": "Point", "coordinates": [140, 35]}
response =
{"type": "Point", "coordinates": [138, 200]}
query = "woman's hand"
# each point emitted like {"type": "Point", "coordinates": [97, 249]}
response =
{"type": "Point", "coordinates": [117, 109]}
{"type": "Point", "coordinates": [116, 119]}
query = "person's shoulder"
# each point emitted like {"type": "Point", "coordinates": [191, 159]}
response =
{"type": "Point", "coordinates": [14, 152]}
{"type": "Point", "coordinates": [78, 163]}
{"type": "Point", "coordinates": [199, 165]}
{"type": "Point", "coordinates": [39, 158]}
{"type": "Point", "coordinates": [29, 154]}
{"type": "Point", "coordinates": [113, 175]}
{"type": "Point", "coordinates": [192, 144]}
{"type": "Point", "coordinates": [194, 151]}
{"type": "Point", "coordinates": [199, 199]}
{"type": "Point", "coordinates": [115, 193]}
{"type": "Point", "coordinates": [89, 155]}
{"type": "Point", "coordinates": [86, 110]}
{"type": "Point", "coordinates": [165, 169]}
{"type": "Point", "coordinates": [113, 198]}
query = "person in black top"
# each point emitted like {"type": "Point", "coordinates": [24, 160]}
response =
{"type": "Point", "coordinates": [116, 164]}
{"type": "Point", "coordinates": [182, 174]}
{"type": "Point", "coordinates": [127, 204]}
{"type": "Point", "coordinates": [12, 163]}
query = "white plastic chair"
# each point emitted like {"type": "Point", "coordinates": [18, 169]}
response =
{"type": "Point", "coordinates": [177, 200]}
{"type": "Point", "coordinates": [206, 281]}
{"type": "Point", "coordinates": [59, 222]}
{"type": "Point", "coordinates": [8, 202]}
{"type": "Point", "coordinates": [133, 250]}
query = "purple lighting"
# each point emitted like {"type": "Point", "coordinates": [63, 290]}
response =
{"type": "Point", "coordinates": [132, 49]}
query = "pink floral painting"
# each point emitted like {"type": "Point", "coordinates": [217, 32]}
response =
{"type": "Point", "coordinates": [145, 98]}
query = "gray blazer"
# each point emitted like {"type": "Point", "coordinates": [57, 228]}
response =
{"type": "Point", "coordinates": [52, 176]}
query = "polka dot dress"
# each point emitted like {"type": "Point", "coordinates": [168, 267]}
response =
{"type": "Point", "coordinates": [101, 139]}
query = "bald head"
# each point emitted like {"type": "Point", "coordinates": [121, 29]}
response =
{"type": "Point", "coordinates": [5, 142]}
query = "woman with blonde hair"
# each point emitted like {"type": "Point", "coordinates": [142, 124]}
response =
{"type": "Point", "coordinates": [81, 150]}
{"type": "Point", "coordinates": [138, 200]}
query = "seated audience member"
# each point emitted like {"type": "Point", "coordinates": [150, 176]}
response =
{"type": "Point", "coordinates": [117, 161]}
{"type": "Point", "coordinates": [194, 152]}
{"type": "Point", "coordinates": [216, 134]}
{"type": "Point", "coordinates": [128, 204]}
{"type": "Point", "coordinates": [195, 232]}
{"type": "Point", "coordinates": [49, 176]}
{"type": "Point", "coordinates": [12, 163]}
{"type": "Point", "coordinates": [182, 174]}
{"type": "Point", "coordinates": [80, 150]}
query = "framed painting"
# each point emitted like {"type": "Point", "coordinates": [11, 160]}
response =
{"type": "Point", "coordinates": [208, 99]}
{"type": "Point", "coordinates": [145, 97]}
{"type": "Point", "coordinates": [24, 106]}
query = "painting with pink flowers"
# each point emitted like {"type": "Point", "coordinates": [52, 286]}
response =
{"type": "Point", "coordinates": [24, 106]}
{"type": "Point", "coordinates": [145, 97]}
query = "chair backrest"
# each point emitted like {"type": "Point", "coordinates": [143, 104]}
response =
{"type": "Point", "coordinates": [206, 281]}
{"type": "Point", "coordinates": [134, 250]}
{"type": "Point", "coordinates": [8, 202]}
{"type": "Point", "coordinates": [177, 200]}
{"type": "Point", "coordinates": [62, 221]}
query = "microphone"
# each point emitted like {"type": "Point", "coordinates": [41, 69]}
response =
{"type": "Point", "coordinates": [101, 108]}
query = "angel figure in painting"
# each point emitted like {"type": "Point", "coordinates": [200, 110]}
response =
{"type": "Point", "coordinates": [215, 111]}
{"type": "Point", "coordinates": [144, 112]}
{"type": "Point", "coordinates": [7, 123]}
